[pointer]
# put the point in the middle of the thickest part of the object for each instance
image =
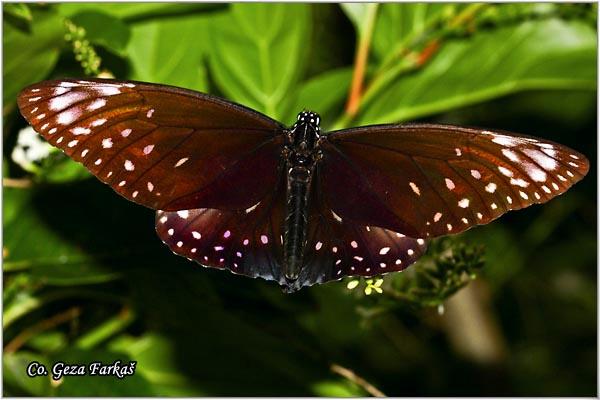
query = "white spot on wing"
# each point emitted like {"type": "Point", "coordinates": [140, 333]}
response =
{"type": "Point", "coordinates": [62, 102]}
{"type": "Point", "coordinates": [542, 159]}
{"type": "Point", "coordinates": [336, 217]}
{"type": "Point", "coordinates": [99, 122]}
{"type": "Point", "coordinates": [181, 162]}
{"type": "Point", "coordinates": [510, 155]}
{"type": "Point", "coordinates": [66, 117]}
{"type": "Point", "coordinates": [107, 90]}
{"type": "Point", "coordinates": [475, 174]}
{"type": "Point", "coordinates": [150, 186]}
{"type": "Point", "coordinates": [107, 143]}
{"type": "Point", "coordinates": [125, 132]}
{"type": "Point", "coordinates": [505, 171]}
{"type": "Point", "coordinates": [504, 140]}
{"type": "Point", "coordinates": [450, 184]}
{"type": "Point", "coordinates": [250, 209]}
{"type": "Point", "coordinates": [415, 188]}
{"type": "Point", "coordinates": [384, 250]}
{"type": "Point", "coordinates": [519, 182]}
{"type": "Point", "coordinates": [96, 104]}
{"type": "Point", "coordinates": [196, 235]}
{"type": "Point", "coordinates": [536, 174]}
{"type": "Point", "coordinates": [129, 165]}
{"type": "Point", "coordinates": [490, 187]}
{"type": "Point", "coordinates": [78, 130]}
{"type": "Point", "coordinates": [183, 214]}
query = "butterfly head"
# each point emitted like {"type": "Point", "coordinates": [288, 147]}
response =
{"type": "Point", "coordinates": [304, 135]}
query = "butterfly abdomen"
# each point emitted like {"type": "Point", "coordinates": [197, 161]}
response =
{"type": "Point", "coordinates": [296, 220]}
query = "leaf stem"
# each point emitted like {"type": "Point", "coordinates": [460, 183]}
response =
{"type": "Point", "coordinates": [360, 381]}
{"type": "Point", "coordinates": [360, 62]}
{"type": "Point", "coordinates": [41, 326]}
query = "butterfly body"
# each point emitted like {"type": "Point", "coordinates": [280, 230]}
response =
{"type": "Point", "coordinates": [237, 190]}
{"type": "Point", "coordinates": [301, 157]}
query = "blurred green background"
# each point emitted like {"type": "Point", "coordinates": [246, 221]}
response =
{"type": "Point", "coordinates": [85, 278]}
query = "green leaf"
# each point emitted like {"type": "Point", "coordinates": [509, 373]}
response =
{"type": "Point", "coordinates": [136, 11]}
{"type": "Point", "coordinates": [59, 169]}
{"type": "Point", "coordinates": [30, 243]}
{"type": "Point", "coordinates": [322, 94]}
{"type": "Point", "coordinates": [170, 51]}
{"type": "Point", "coordinates": [259, 53]}
{"type": "Point", "coordinates": [15, 376]}
{"type": "Point", "coordinates": [333, 388]}
{"type": "Point", "coordinates": [104, 29]}
{"type": "Point", "coordinates": [551, 54]}
{"type": "Point", "coordinates": [360, 14]}
{"type": "Point", "coordinates": [19, 10]}
{"type": "Point", "coordinates": [397, 24]}
{"type": "Point", "coordinates": [30, 56]}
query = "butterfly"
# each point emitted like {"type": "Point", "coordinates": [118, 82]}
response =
{"type": "Point", "coordinates": [237, 190]}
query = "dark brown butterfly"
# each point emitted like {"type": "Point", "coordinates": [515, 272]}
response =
{"type": "Point", "coordinates": [235, 189]}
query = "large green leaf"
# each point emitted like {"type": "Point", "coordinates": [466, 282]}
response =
{"type": "Point", "coordinates": [491, 64]}
{"type": "Point", "coordinates": [29, 57]}
{"type": "Point", "coordinates": [322, 94]}
{"type": "Point", "coordinates": [135, 11]}
{"type": "Point", "coordinates": [30, 243]}
{"type": "Point", "coordinates": [259, 52]}
{"type": "Point", "coordinates": [170, 51]}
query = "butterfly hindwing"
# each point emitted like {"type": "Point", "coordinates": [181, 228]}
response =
{"type": "Point", "coordinates": [246, 242]}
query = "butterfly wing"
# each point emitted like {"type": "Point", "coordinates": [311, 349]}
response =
{"type": "Point", "coordinates": [247, 242]}
{"type": "Point", "coordinates": [338, 247]}
{"type": "Point", "coordinates": [162, 147]}
{"type": "Point", "coordinates": [431, 180]}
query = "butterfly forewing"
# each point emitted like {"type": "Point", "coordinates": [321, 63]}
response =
{"type": "Point", "coordinates": [163, 147]}
{"type": "Point", "coordinates": [432, 180]}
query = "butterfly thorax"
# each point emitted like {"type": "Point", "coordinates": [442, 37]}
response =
{"type": "Point", "coordinates": [301, 157]}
